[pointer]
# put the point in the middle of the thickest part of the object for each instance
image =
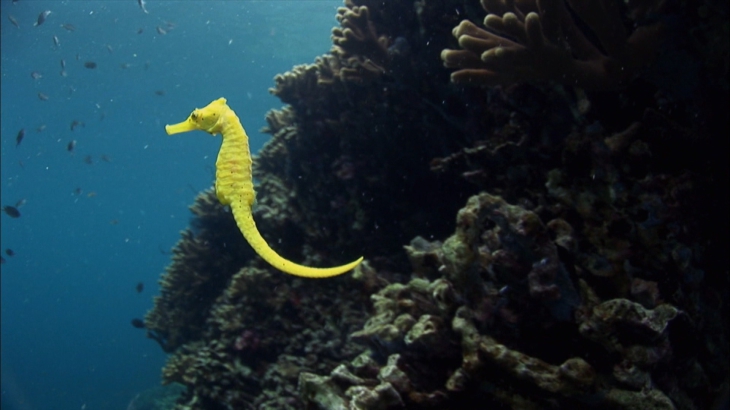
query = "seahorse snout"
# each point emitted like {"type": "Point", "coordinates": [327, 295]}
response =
{"type": "Point", "coordinates": [185, 126]}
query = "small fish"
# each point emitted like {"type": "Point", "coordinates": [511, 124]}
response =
{"type": "Point", "coordinates": [140, 287]}
{"type": "Point", "coordinates": [109, 48]}
{"type": "Point", "coordinates": [76, 123]}
{"type": "Point", "coordinates": [43, 97]}
{"type": "Point", "coordinates": [78, 56]}
{"type": "Point", "coordinates": [160, 92]}
{"type": "Point", "coordinates": [78, 191]}
{"type": "Point", "coordinates": [11, 211]}
{"type": "Point", "coordinates": [138, 323]}
{"type": "Point", "coordinates": [125, 66]}
{"type": "Point", "coordinates": [14, 21]}
{"type": "Point", "coordinates": [19, 137]}
{"type": "Point", "coordinates": [147, 65]}
{"type": "Point", "coordinates": [69, 27]}
{"type": "Point", "coordinates": [91, 194]}
{"type": "Point", "coordinates": [140, 30]}
{"type": "Point", "coordinates": [56, 41]}
{"type": "Point", "coordinates": [63, 64]}
{"type": "Point", "coordinates": [40, 128]}
{"type": "Point", "coordinates": [105, 158]}
{"type": "Point", "coordinates": [63, 73]}
{"type": "Point", "coordinates": [36, 75]}
{"type": "Point", "coordinates": [9, 252]}
{"type": "Point", "coordinates": [88, 160]}
{"type": "Point", "coordinates": [142, 6]}
{"type": "Point", "coordinates": [161, 30]}
{"type": "Point", "coordinates": [42, 18]}
{"type": "Point", "coordinates": [71, 145]}
{"type": "Point", "coordinates": [114, 222]}
{"type": "Point", "coordinates": [90, 65]}
{"type": "Point", "coordinates": [21, 203]}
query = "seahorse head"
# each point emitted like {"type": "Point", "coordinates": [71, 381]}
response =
{"type": "Point", "coordinates": [204, 119]}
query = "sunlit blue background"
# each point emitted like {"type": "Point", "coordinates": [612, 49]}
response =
{"type": "Point", "coordinates": [90, 232]}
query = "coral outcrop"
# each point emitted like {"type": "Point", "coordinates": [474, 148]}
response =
{"type": "Point", "coordinates": [260, 332]}
{"type": "Point", "coordinates": [507, 313]}
{"type": "Point", "coordinates": [341, 150]}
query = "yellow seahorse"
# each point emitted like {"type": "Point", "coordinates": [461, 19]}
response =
{"type": "Point", "coordinates": [234, 183]}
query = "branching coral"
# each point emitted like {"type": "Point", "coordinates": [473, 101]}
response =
{"type": "Point", "coordinates": [359, 53]}
{"type": "Point", "coordinates": [358, 45]}
{"type": "Point", "coordinates": [293, 87]}
{"type": "Point", "coordinates": [540, 40]}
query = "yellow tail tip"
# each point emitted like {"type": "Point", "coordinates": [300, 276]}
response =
{"type": "Point", "coordinates": [314, 273]}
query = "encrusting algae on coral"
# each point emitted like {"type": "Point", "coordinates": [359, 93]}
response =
{"type": "Point", "coordinates": [234, 183]}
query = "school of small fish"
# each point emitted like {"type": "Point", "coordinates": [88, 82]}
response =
{"type": "Point", "coordinates": [89, 64]}
{"type": "Point", "coordinates": [13, 211]}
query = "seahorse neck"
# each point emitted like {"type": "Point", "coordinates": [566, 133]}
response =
{"type": "Point", "coordinates": [231, 127]}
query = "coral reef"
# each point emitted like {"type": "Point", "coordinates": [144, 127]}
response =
{"type": "Point", "coordinates": [586, 265]}
{"type": "Point", "coordinates": [261, 332]}
{"type": "Point", "coordinates": [507, 314]}
{"type": "Point", "coordinates": [337, 146]}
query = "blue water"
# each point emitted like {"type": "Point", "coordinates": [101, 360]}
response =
{"type": "Point", "coordinates": [89, 233]}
